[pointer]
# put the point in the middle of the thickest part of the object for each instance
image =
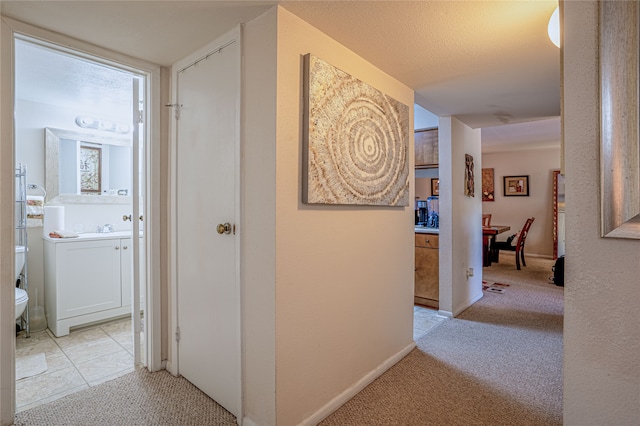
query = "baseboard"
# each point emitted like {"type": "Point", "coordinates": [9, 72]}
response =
{"type": "Point", "coordinates": [246, 421]}
{"type": "Point", "coordinates": [466, 304]}
{"type": "Point", "coordinates": [527, 254]}
{"type": "Point", "coordinates": [445, 314]}
{"type": "Point", "coordinates": [345, 396]}
{"type": "Point", "coordinates": [170, 368]}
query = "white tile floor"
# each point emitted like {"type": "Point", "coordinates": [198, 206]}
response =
{"type": "Point", "coordinates": [84, 358]}
{"type": "Point", "coordinates": [424, 320]}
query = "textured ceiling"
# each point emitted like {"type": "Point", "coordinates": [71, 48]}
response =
{"type": "Point", "coordinates": [489, 63]}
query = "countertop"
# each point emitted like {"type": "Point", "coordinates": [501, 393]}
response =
{"type": "Point", "coordinates": [425, 230]}
{"type": "Point", "coordinates": [89, 236]}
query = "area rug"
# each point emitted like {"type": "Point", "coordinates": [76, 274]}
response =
{"type": "Point", "coordinates": [494, 287]}
{"type": "Point", "coordinates": [31, 365]}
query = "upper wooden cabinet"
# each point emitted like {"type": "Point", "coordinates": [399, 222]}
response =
{"type": "Point", "coordinates": [426, 148]}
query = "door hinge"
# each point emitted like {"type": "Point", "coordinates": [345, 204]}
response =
{"type": "Point", "coordinates": [140, 117]}
{"type": "Point", "coordinates": [176, 109]}
{"type": "Point", "coordinates": [177, 334]}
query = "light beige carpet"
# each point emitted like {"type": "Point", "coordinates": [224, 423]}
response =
{"type": "Point", "coordinates": [498, 363]}
{"type": "Point", "coordinates": [138, 398]}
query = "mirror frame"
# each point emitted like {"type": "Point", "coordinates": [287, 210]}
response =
{"type": "Point", "coordinates": [619, 119]}
{"type": "Point", "coordinates": [52, 150]}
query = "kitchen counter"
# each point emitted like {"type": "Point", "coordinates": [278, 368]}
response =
{"type": "Point", "coordinates": [425, 230]}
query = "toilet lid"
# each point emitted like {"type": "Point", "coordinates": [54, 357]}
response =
{"type": "Point", "coordinates": [21, 295]}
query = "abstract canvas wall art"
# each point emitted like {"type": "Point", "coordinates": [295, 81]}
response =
{"type": "Point", "coordinates": [469, 180]}
{"type": "Point", "coordinates": [487, 185]}
{"type": "Point", "coordinates": [356, 141]}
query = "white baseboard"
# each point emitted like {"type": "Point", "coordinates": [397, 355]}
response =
{"type": "Point", "coordinates": [349, 393]}
{"type": "Point", "coordinates": [466, 304]}
{"type": "Point", "coordinates": [527, 254]}
{"type": "Point", "coordinates": [246, 421]}
{"type": "Point", "coordinates": [445, 314]}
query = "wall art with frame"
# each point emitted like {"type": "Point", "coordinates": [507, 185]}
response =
{"type": "Point", "coordinates": [516, 186]}
{"type": "Point", "coordinates": [487, 185]}
{"type": "Point", "coordinates": [435, 186]}
{"type": "Point", "coordinates": [356, 141]}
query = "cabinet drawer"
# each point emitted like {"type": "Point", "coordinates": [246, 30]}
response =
{"type": "Point", "coordinates": [427, 240]}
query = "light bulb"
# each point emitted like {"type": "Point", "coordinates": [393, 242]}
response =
{"type": "Point", "coordinates": [554, 27]}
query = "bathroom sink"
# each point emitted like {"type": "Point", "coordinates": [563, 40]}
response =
{"type": "Point", "coordinates": [115, 234]}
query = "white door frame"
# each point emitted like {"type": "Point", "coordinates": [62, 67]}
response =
{"type": "Point", "coordinates": [172, 365]}
{"type": "Point", "coordinates": [9, 29]}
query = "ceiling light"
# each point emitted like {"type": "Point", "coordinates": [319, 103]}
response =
{"type": "Point", "coordinates": [554, 27]}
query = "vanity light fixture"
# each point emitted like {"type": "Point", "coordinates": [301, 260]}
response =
{"type": "Point", "coordinates": [87, 122]}
{"type": "Point", "coordinates": [554, 27]}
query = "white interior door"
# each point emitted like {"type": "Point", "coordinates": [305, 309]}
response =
{"type": "Point", "coordinates": [208, 302]}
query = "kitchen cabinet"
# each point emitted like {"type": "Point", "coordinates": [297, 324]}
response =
{"type": "Point", "coordinates": [86, 281]}
{"type": "Point", "coordinates": [426, 148]}
{"type": "Point", "coordinates": [427, 277]}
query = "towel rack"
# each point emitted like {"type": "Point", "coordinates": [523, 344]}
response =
{"type": "Point", "coordinates": [36, 186]}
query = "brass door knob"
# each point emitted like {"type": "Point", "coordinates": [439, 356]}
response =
{"type": "Point", "coordinates": [224, 228]}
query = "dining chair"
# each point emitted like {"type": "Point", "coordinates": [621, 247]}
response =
{"type": "Point", "coordinates": [518, 247]}
{"type": "Point", "coordinates": [486, 220]}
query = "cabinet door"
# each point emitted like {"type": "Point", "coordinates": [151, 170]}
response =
{"type": "Point", "coordinates": [426, 148]}
{"type": "Point", "coordinates": [126, 270]}
{"type": "Point", "coordinates": [88, 277]}
{"type": "Point", "coordinates": [427, 282]}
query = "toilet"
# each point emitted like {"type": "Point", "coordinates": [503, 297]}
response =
{"type": "Point", "coordinates": [22, 298]}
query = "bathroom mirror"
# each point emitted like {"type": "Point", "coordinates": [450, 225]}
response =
{"type": "Point", "coordinates": [85, 167]}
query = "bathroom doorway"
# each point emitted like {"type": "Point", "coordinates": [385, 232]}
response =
{"type": "Point", "coordinates": [80, 132]}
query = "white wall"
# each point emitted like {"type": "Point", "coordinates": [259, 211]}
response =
{"type": "Point", "coordinates": [423, 119]}
{"type": "Point", "coordinates": [460, 217]}
{"type": "Point", "coordinates": [259, 218]}
{"type": "Point", "coordinates": [343, 275]}
{"type": "Point", "coordinates": [345, 304]}
{"type": "Point", "coordinates": [602, 291]}
{"type": "Point", "coordinates": [514, 211]}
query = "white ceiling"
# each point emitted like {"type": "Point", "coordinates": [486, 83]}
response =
{"type": "Point", "coordinates": [489, 63]}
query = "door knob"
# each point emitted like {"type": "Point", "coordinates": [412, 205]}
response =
{"type": "Point", "coordinates": [224, 228]}
{"type": "Point", "coordinates": [126, 217]}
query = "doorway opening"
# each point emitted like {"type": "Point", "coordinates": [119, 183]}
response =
{"type": "Point", "coordinates": [79, 134]}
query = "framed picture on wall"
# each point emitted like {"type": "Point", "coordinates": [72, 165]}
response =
{"type": "Point", "coordinates": [435, 186]}
{"type": "Point", "coordinates": [516, 186]}
{"type": "Point", "coordinates": [90, 170]}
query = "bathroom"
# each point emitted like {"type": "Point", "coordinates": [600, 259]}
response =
{"type": "Point", "coordinates": [74, 138]}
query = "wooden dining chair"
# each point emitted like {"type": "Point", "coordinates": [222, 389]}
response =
{"type": "Point", "coordinates": [519, 245]}
{"type": "Point", "coordinates": [486, 220]}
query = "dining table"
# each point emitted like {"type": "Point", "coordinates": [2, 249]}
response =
{"type": "Point", "coordinates": [488, 238]}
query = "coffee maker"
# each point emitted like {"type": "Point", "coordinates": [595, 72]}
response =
{"type": "Point", "coordinates": [421, 213]}
{"type": "Point", "coordinates": [432, 212]}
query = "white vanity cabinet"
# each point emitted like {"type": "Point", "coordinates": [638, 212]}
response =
{"type": "Point", "coordinates": [86, 280]}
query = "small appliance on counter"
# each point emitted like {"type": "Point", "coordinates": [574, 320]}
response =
{"type": "Point", "coordinates": [421, 213]}
{"type": "Point", "coordinates": [432, 212]}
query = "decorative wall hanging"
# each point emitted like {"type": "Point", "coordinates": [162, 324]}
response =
{"type": "Point", "coordinates": [435, 186]}
{"type": "Point", "coordinates": [516, 186]}
{"type": "Point", "coordinates": [487, 185]}
{"type": "Point", "coordinates": [90, 170]}
{"type": "Point", "coordinates": [356, 141]}
{"type": "Point", "coordinates": [469, 181]}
